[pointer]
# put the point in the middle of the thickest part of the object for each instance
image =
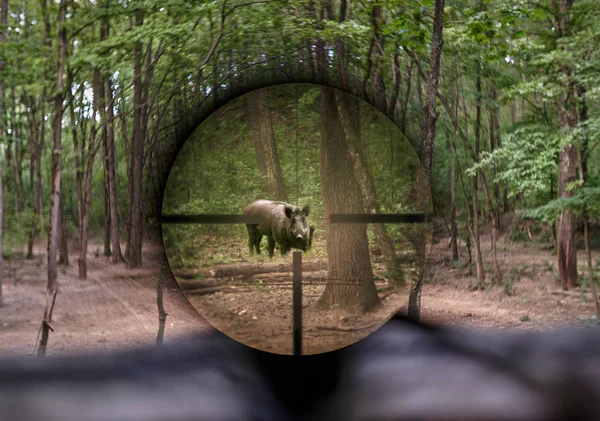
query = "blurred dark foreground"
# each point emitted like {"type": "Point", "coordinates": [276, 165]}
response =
{"type": "Point", "coordinates": [404, 371]}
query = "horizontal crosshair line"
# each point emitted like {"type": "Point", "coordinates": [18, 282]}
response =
{"type": "Point", "coordinates": [208, 218]}
{"type": "Point", "coordinates": [339, 218]}
{"type": "Point", "coordinates": [377, 218]}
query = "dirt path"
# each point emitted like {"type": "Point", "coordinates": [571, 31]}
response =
{"type": "Point", "coordinates": [114, 307]}
{"type": "Point", "coordinates": [534, 299]}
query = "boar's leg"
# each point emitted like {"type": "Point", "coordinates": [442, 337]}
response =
{"type": "Point", "coordinates": [257, 241]}
{"type": "Point", "coordinates": [285, 248]}
{"type": "Point", "coordinates": [310, 238]}
{"type": "Point", "coordinates": [271, 245]}
{"type": "Point", "coordinates": [253, 235]}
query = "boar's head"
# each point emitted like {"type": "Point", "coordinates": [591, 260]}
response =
{"type": "Point", "coordinates": [298, 229]}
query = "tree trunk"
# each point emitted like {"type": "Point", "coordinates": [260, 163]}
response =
{"type": "Point", "coordinates": [104, 140]}
{"type": "Point", "coordinates": [378, 84]}
{"type": "Point", "coordinates": [404, 109]}
{"type": "Point", "coordinates": [16, 132]}
{"type": "Point", "coordinates": [265, 148]}
{"type": "Point", "coordinates": [63, 245]}
{"type": "Point", "coordinates": [87, 194]}
{"type": "Point", "coordinates": [567, 120]}
{"type": "Point", "coordinates": [476, 237]}
{"type": "Point", "coordinates": [52, 287]}
{"type": "Point", "coordinates": [428, 126]}
{"type": "Point", "coordinates": [115, 237]}
{"type": "Point", "coordinates": [586, 237]}
{"type": "Point", "coordinates": [321, 59]}
{"type": "Point", "coordinates": [494, 129]}
{"type": "Point", "coordinates": [134, 246]}
{"type": "Point", "coordinates": [3, 25]}
{"type": "Point", "coordinates": [453, 225]}
{"type": "Point", "coordinates": [350, 122]}
{"type": "Point", "coordinates": [350, 279]}
{"type": "Point", "coordinates": [348, 108]}
{"type": "Point", "coordinates": [35, 168]}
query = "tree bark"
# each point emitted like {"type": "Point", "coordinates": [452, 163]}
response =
{"type": "Point", "coordinates": [378, 84]}
{"type": "Point", "coordinates": [348, 106]}
{"type": "Point", "coordinates": [350, 279]}
{"type": "Point", "coordinates": [63, 245]}
{"type": "Point", "coordinates": [586, 238]}
{"type": "Point", "coordinates": [428, 127]}
{"type": "Point", "coordinates": [396, 81]}
{"type": "Point", "coordinates": [115, 237]}
{"type": "Point", "coordinates": [476, 235]}
{"type": "Point", "coordinates": [494, 130]}
{"type": "Point", "coordinates": [267, 158]}
{"type": "Point", "coordinates": [52, 287]}
{"type": "Point", "coordinates": [87, 194]}
{"type": "Point", "coordinates": [321, 59]}
{"type": "Point", "coordinates": [16, 128]}
{"type": "Point", "coordinates": [3, 25]}
{"type": "Point", "coordinates": [104, 140]}
{"type": "Point", "coordinates": [134, 246]}
{"type": "Point", "coordinates": [567, 120]}
{"type": "Point", "coordinates": [453, 225]}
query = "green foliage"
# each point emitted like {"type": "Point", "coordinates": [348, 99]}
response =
{"type": "Point", "coordinates": [527, 159]}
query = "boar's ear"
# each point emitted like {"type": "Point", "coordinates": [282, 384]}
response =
{"type": "Point", "coordinates": [288, 211]}
{"type": "Point", "coordinates": [306, 210]}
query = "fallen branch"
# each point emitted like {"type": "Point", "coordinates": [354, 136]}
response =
{"type": "Point", "coordinates": [246, 269]}
{"type": "Point", "coordinates": [212, 290]}
{"type": "Point", "coordinates": [191, 274]}
{"type": "Point", "coordinates": [347, 329]}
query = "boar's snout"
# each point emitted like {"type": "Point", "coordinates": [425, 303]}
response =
{"type": "Point", "coordinates": [299, 237]}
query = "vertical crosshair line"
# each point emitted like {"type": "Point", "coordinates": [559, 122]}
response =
{"type": "Point", "coordinates": [297, 303]}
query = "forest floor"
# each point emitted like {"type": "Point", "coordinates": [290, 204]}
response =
{"type": "Point", "coordinates": [116, 307]}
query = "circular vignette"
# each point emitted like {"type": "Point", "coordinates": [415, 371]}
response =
{"type": "Point", "coordinates": [284, 159]}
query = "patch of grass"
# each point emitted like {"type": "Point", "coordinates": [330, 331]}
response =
{"type": "Point", "coordinates": [547, 265]}
{"type": "Point", "coordinates": [509, 286]}
{"type": "Point", "coordinates": [518, 236]}
{"type": "Point", "coordinates": [546, 236]}
{"type": "Point", "coordinates": [455, 264]}
{"type": "Point", "coordinates": [525, 318]}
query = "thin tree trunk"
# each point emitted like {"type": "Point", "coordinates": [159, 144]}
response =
{"type": "Point", "coordinates": [567, 119]}
{"type": "Point", "coordinates": [494, 135]}
{"type": "Point", "coordinates": [428, 127]}
{"type": "Point", "coordinates": [3, 25]}
{"type": "Point", "coordinates": [134, 246]}
{"type": "Point", "coordinates": [265, 148]}
{"type": "Point", "coordinates": [162, 315]}
{"type": "Point", "coordinates": [405, 100]}
{"type": "Point", "coordinates": [104, 140]}
{"type": "Point", "coordinates": [476, 235]}
{"type": "Point", "coordinates": [63, 245]}
{"type": "Point", "coordinates": [586, 239]}
{"type": "Point", "coordinates": [86, 202]}
{"type": "Point", "coordinates": [16, 133]}
{"type": "Point", "coordinates": [378, 85]}
{"type": "Point", "coordinates": [453, 225]}
{"type": "Point", "coordinates": [52, 287]}
{"type": "Point", "coordinates": [117, 257]}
